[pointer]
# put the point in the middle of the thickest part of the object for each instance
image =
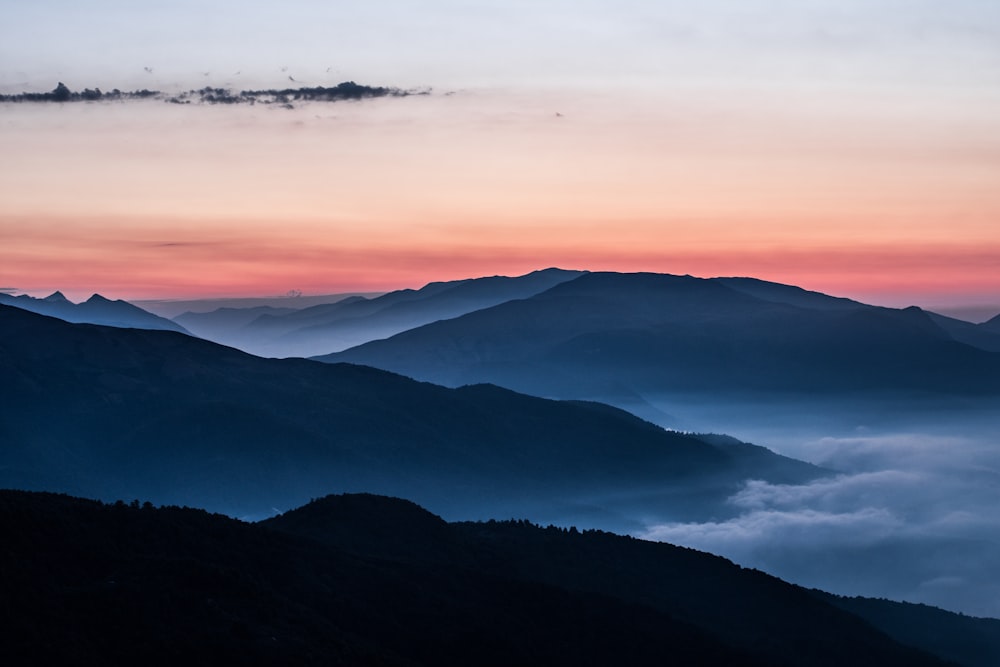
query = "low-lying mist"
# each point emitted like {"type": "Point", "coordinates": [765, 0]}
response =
{"type": "Point", "coordinates": [910, 515]}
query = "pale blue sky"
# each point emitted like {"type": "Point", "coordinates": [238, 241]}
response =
{"type": "Point", "coordinates": [450, 43]}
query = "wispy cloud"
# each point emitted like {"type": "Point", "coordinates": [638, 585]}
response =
{"type": "Point", "coordinates": [808, 528]}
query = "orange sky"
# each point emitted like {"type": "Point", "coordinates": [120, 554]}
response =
{"type": "Point", "coordinates": [875, 197]}
{"type": "Point", "coordinates": [848, 146]}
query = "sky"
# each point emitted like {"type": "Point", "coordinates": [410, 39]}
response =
{"type": "Point", "coordinates": [846, 146]}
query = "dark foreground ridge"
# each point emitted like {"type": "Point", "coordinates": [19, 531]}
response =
{"type": "Point", "coordinates": [368, 580]}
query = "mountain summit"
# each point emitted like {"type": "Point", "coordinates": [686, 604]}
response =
{"type": "Point", "coordinates": [56, 297]}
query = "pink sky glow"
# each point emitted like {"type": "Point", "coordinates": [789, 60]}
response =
{"type": "Point", "coordinates": [845, 147]}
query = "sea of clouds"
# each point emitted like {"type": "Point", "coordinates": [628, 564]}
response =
{"type": "Point", "coordinates": [908, 516]}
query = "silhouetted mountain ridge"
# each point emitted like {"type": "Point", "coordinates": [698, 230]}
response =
{"type": "Point", "coordinates": [95, 310]}
{"type": "Point", "coordinates": [690, 585]}
{"type": "Point", "coordinates": [334, 326]}
{"type": "Point", "coordinates": [101, 584]}
{"type": "Point", "coordinates": [788, 294]}
{"type": "Point", "coordinates": [603, 335]}
{"type": "Point", "coordinates": [87, 583]}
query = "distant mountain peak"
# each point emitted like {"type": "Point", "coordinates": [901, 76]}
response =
{"type": "Point", "coordinates": [56, 297]}
{"type": "Point", "coordinates": [95, 310]}
{"type": "Point", "coordinates": [556, 269]}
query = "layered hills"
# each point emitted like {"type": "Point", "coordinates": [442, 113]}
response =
{"type": "Point", "coordinates": [131, 413]}
{"type": "Point", "coordinates": [108, 413]}
{"type": "Point", "coordinates": [323, 328]}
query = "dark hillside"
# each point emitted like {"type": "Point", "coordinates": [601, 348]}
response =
{"type": "Point", "coordinates": [88, 583]}
{"type": "Point", "coordinates": [92, 584]}
{"type": "Point", "coordinates": [757, 613]}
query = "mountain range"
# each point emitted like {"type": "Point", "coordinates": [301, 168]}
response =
{"type": "Point", "coordinates": [369, 580]}
{"type": "Point", "coordinates": [123, 411]}
{"type": "Point", "coordinates": [95, 310]}
{"type": "Point", "coordinates": [108, 412]}
{"type": "Point", "coordinates": [293, 300]}
{"type": "Point", "coordinates": [319, 329]}
{"type": "Point", "coordinates": [643, 341]}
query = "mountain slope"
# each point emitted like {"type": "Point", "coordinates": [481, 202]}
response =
{"type": "Point", "coordinates": [965, 640]}
{"type": "Point", "coordinates": [976, 335]}
{"type": "Point", "coordinates": [787, 294]}
{"type": "Point", "coordinates": [992, 324]}
{"type": "Point", "coordinates": [606, 335]}
{"type": "Point", "coordinates": [172, 308]}
{"type": "Point", "coordinates": [225, 323]}
{"type": "Point", "coordinates": [122, 584]}
{"type": "Point", "coordinates": [328, 327]}
{"type": "Point", "coordinates": [95, 310]}
{"type": "Point", "coordinates": [126, 413]}
{"type": "Point", "coordinates": [745, 609]}
{"type": "Point", "coordinates": [86, 583]}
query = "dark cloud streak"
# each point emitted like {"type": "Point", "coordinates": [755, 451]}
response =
{"type": "Point", "coordinates": [61, 93]}
{"type": "Point", "coordinates": [347, 90]}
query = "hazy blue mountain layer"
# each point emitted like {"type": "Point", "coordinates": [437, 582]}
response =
{"type": "Point", "coordinates": [659, 344]}
{"type": "Point", "coordinates": [336, 326]}
{"type": "Point", "coordinates": [110, 413]}
{"type": "Point", "coordinates": [992, 324]}
{"type": "Point", "coordinates": [292, 300]}
{"type": "Point", "coordinates": [659, 333]}
{"type": "Point", "coordinates": [95, 310]}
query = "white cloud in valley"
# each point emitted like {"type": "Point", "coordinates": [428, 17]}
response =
{"type": "Point", "coordinates": [912, 518]}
